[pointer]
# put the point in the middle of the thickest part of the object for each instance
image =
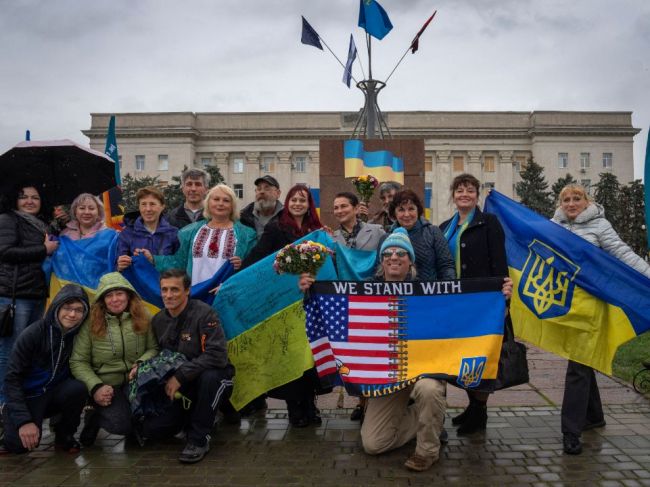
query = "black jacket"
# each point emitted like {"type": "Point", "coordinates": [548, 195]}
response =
{"type": "Point", "coordinates": [178, 217]}
{"type": "Point", "coordinates": [247, 217]}
{"type": "Point", "coordinates": [274, 238]}
{"type": "Point", "coordinates": [40, 358]}
{"type": "Point", "coordinates": [482, 247]}
{"type": "Point", "coordinates": [196, 333]}
{"type": "Point", "coordinates": [21, 244]}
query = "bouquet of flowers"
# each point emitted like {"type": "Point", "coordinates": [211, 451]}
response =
{"type": "Point", "coordinates": [365, 186]}
{"type": "Point", "coordinates": [298, 258]}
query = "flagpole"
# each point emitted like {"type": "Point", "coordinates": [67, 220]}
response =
{"type": "Point", "coordinates": [646, 183]}
{"type": "Point", "coordinates": [336, 57]}
{"type": "Point", "coordinates": [398, 63]}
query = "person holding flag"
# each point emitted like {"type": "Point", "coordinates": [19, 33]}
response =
{"type": "Point", "coordinates": [581, 406]}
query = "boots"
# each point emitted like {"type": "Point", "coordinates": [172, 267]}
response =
{"type": "Point", "coordinates": [475, 420]}
{"type": "Point", "coordinates": [460, 419]}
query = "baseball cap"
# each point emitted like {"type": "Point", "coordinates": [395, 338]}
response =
{"type": "Point", "coordinates": [269, 180]}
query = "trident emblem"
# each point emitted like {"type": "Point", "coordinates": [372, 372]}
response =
{"type": "Point", "coordinates": [546, 286]}
{"type": "Point", "coordinates": [471, 371]}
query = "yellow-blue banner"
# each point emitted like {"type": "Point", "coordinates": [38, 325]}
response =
{"type": "Point", "coordinates": [381, 164]}
{"type": "Point", "coordinates": [570, 297]}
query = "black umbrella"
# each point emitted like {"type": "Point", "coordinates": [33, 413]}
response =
{"type": "Point", "coordinates": [59, 169]}
{"type": "Point", "coordinates": [147, 391]}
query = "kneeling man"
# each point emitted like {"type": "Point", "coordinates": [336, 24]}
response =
{"type": "Point", "coordinates": [38, 383]}
{"type": "Point", "coordinates": [190, 327]}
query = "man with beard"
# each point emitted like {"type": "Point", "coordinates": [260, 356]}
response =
{"type": "Point", "coordinates": [266, 206]}
{"type": "Point", "coordinates": [194, 184]}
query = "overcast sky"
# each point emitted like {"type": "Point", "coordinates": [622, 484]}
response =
{"type": "Point", "coordinates": [60, 60]}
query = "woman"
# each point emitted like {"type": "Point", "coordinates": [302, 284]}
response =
{"type": "Point", "coordinates": [205, 246]}
{"type": "Point", "coordinates": [106, 351]}
{"type": "Point", "coordinates": [297, 219]}
{"type": "Point", "coordinates": [417, 411]}
{"type": "Point", "coordinates": [150, 231]}
{"type": "Point", "coordinates": [355, 234]}
{"type": "Point", "coordinates": [352, 232]}
{"type": "Point", "coordinates": [433, 260]}
{"type": "Point", "coordinates": [24, 245]}
{"type": "Point", "coordinates": [87, 218]}
{"type": "Point", "coordinates": [581, 406]}
{"type": "Point", "coordinates": [477, 244]}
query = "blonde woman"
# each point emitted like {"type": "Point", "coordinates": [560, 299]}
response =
{"type": "Point", "coordinates": [581, 406]}
{"type": "Point", "coordinates": [87, 218]}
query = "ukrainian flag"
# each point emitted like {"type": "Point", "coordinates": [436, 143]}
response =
{"type": "Point", "coordinates": [381, 164]}
{"type": "Point", "coordinates": [570, 297]}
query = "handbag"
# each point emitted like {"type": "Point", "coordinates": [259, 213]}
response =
{"type": "Point", "coordinates": [513, 364]}
{"type": "Point", "coordinates": [8, 312]}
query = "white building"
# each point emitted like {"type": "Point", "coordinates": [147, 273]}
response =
{"type": "Point", "coordinates": [493, 146]}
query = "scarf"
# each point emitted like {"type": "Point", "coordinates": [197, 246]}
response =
{"type": "Point", "coordinates": [453, 234]}
{"type": "Point", "coordinates": [32, 220]}
{"type": "Point", "coordinates": [351, 237]}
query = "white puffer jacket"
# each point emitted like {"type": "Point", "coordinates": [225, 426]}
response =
{"type": "Point", "coordinates": [593, 227]}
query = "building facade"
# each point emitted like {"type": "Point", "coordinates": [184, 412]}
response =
{"type": "Point", "coordinates": [494, 146]}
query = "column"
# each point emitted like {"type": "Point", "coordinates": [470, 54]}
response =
{"type": "Point", "coordinates": [283, 170]}
{"type": "Point", "coordinates": [505, 173]}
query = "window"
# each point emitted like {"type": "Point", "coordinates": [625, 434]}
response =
{"type": "Point", "coordinates": [488, 164]}
{"type": "Point", "coordinates": [584, 160]}
{"type": "Point", "coordinates": [238, 165]}
{"type": "Point", "coordinates": [139, 163]}
{"type": "Point", "coordinates": [268, 164]}
{"type": "Point", "coordinates": [587, 184]}
{"type": "Point", "coordinates": [607, 160]}
{"type": "Point", "coordinates": [458, 164]}
{"type": "Point", "coordinates": [428, 163]}
{"type": "Point", "coordinates": [562, 160]}
{"type": "Point", "coordinates": [206, 162]}
{"type": "Point", "coordinates": [239, 190]}
{"type": "Point", "coordinates": [488, 186]}
{"type": "Point", "coordinates": [163, 162]}
{"type": "Point", "coordinates": [119, 161]}
{"type": "Point", "coordinates": [300, 163]}
{"type": "Point", "coordinates": [520, 163]}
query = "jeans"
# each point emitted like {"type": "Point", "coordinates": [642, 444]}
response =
{"type": "Point", "coordinates": [27, 312]}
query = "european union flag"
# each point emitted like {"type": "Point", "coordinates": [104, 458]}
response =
{"type": "Point", "coordinates": [570, 297]}
{"type": "Point", "coordinates": [374, 19]}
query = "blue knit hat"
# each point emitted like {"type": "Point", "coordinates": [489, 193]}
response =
{"type": "Point", "coordinates": [399, 238]}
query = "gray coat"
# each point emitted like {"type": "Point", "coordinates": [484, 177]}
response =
{"type": "Point", "coordinates": [594, 228]}
{"type": "Point", "coordinates": [368, 238]}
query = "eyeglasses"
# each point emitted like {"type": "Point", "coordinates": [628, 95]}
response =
{"type": "Point", "coordinates": [73, 309]}
{"type": "Point", "coordinates": [387, 254]}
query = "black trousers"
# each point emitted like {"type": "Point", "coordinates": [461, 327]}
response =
{"type": "Point", "coordinates": [581, 403]}
{"type": "Point", "coordinates": [116, 417]}
{"type": "Point", "coordinates": [206, 392]}
{"type": "Point", "coordinates": [67, 398]}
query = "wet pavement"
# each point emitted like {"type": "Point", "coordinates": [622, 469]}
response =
{"type": "Point", "coordinates": [521, 446]}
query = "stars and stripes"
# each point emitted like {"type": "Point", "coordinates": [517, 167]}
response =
{"type": "Point", "coordinates": [356, 336]}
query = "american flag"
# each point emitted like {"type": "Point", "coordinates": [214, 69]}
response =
{"type": "Point", "coordinates": [357, 336]}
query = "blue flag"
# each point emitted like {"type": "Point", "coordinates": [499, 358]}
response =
{"type": "Point", "coordinates": [309, 35]}
{"type": "Point", "coordinates": [352, 55]}
{"type": "Point", "coordinates": [112, 199]}
{"type": "Point", "coordinates": [646, 181]}
{"type": "Point", "coordinates": [374, 19]}
{"type": "Point", "coordinates": [569, 297]}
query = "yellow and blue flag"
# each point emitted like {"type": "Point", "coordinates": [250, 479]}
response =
{"type": "Point", "coordinates": [570, 297]}
{"type": "Point", "coordinates": [380, 337]}
{"type": "Point", "coordinates": [381, 164]}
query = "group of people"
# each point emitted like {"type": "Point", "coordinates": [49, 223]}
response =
{"type": "Point", "coordinates": [83, 352]}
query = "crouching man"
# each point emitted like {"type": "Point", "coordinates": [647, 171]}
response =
{"type": "Point", "coordinates": [190, 327]}
{"type": "Point", "coordinates": [38, 383]}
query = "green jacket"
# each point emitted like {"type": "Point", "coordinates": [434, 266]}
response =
{"type": "Point", "coordinates": [182, 259]}
{"type": "Point", "coordinates": [108, 359]}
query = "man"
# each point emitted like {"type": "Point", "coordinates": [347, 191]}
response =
{"type": "Point", "coordinates": [194, 184]}
{"type": "Point", "coordinates": [38, 383]}
{"type": "Point", "coordinates": [266, 206]}
{"type": "Point", "coordinates": [387, 192]}
{"type": "Point", "coordinates": [190, 327]}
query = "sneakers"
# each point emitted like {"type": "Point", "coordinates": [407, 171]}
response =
{"type": "Point", "coordinates": [597, 424]}
{"type": "Point", "coordinates": [67, 444]}
{"type": "Point", "coordinates": [194, 453]}
{"type": "Point", "coordinates": [572, 445]}
{"type": "Point", "coordinates": [444, 437]}
{"type": "Point", "coordinates": [418, 463]}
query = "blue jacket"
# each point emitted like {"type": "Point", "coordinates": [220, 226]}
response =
{"type": "Point", "coordinates": [164, 241]}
